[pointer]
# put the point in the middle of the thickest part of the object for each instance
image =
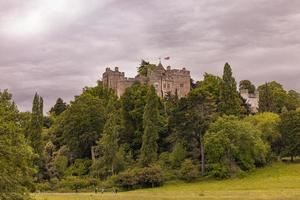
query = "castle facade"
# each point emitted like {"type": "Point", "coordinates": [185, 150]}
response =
{"type": "Point", "coordinates": [165, 81]}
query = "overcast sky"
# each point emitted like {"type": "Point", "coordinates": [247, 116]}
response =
{"type": "Point", "coordinates": [56, 47]}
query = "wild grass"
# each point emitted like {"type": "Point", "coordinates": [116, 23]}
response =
{"type": "Point", "coordinates": [277, 182]}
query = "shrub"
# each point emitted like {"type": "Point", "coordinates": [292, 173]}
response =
{"type": "Point", "coordinates": [140, 177]}
{"type": "Point", "coordinates": [188, 170]}
{"type": "Point", "coordinates": [79, 168]}
{"type": "Point", "coordinates": [219, 171]}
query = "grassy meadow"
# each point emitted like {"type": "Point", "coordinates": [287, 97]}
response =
{"type": "Point", "coordinates": [277, 182]}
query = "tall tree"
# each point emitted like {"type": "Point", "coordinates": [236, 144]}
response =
{"type": "Point", "coordinates": [230, 103]}
{"type": "Point", "coordinates": [36, 124]}
{"type": "Point", "coordinates": [16, 155]}
{"type": "Point", "coordinates": [133, 103]}
{"type": "Point", "coordinates": [151, 116]}
{"type": "Point", "coordinates": [82, 124]}
{"type": "Point", "coordinates": [109, 142]}
{"type": "Point", "coordinates": [200, 113]}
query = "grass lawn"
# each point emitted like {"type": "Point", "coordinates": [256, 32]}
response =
{"type": "Point", "coordinates": [277, 182]}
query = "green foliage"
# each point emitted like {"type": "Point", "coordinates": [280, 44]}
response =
{"type": "Point", "coordinates": [141, 177]}
{"type": "Point", "coordinates": [108, 145]}
{"type": "Point", "coordinates": [230, 102]}
{"type": "Point", "coordinates": [247, 85]}
{"type": "Point", "coordinates": [59, 107]}
{"type": "Point", "coordinates": [177, 156]}
{"type": "Point", "coordinates": [133, 103]}
{"type": "Point", "coordinates": [82, 123]}
{"type": "Point", "coordinates": [36, 124]}
{"type": "Point", "coordinates": [235, 144]}
{"type": "Point", "coordinates": [150, 136]}
{"type": "Point", "coordinates": [273, 98]}
{"type": "Point", "coordinates": [61, 164]}
{"type": "Point", "coordinates": [268, 124]}
{"type": "Point", "coordinates": [290, 131]}
{"type": "Point", "coordinates": [79, 168]}
{"type": "Point", "coordinates": [293, 100]}
{"type": "Point", "coordinates": [188, 170]}
{"type": "Point", "coordinates": [15, 155]}
{"type": "Point", "coordinates": [212, 85]}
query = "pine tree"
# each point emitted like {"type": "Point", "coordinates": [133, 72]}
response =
{"type": "Point", "coordinates": [36, 124]}
{"type": "Point", "coordinates": [230, 103]}
{"type": "Point", "coordinates": [150, 136]}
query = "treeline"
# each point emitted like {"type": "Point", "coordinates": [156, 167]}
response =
{"type": "Point", "coordinates": [141, 140]}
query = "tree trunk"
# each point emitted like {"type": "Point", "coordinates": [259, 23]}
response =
{"type": "Point", "coordinates": [292, 158]}
{"type": "Point", "coordinates": [202, 156]}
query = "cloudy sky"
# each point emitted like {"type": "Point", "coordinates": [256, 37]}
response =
{"type": "Point", "coordinates": [56, 47]}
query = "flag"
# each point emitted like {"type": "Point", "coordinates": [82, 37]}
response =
{"type": "Point", "coordinates": [167, 58]}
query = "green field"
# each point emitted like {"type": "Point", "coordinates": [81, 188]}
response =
{"type": "Point", "coordinates": [280, 182]}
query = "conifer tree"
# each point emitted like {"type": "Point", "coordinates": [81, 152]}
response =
{"type": "Point", "coordinates": [36, 124]}
{"type": "Point", "coordinates": [230, 103]}
{"type": "Point", "coordinates": [265, 99]}
{"type": "Point", "coordinates": [150, 136]}
{"type": "Point", "coordinates": [109, 142]}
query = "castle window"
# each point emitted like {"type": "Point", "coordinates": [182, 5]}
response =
{"type": "Point", "coordinates": [181, 85]}
{"type": "Point", "coordinates": [168, 86]}
{"type": "Point", "coordinates": [164, 85]}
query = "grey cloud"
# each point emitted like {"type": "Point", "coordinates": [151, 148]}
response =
{"type": "Point", "coordinates": [259, 38]}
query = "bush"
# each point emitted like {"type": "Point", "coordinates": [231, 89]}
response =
{"type": "Point", "coordinates": [219, 171]}
{"type": "Point", "coordinates": [140, 177]}
{"type": "Point", "coordinates": [188, 170]}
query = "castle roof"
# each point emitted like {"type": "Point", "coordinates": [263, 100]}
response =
{"type": "Point", "coordinates": [160, 67]}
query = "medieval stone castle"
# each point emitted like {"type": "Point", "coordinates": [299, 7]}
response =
{"type": "Point", "coordinates": [165, 81]}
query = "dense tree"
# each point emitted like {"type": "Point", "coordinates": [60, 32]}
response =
{"type": "Point", "coordinates": [230, 103]}
{"type": "Point", "coordinates": [247, 85]}
{"type": "Point", "coordinates": [293, 100]}
{"type": "Point", "coordinates": [212, 85]}
{"type": "Point", "coordinates": [15, 155]}
{"type": "Point", "coordinates": [290, 131]}
{"type": "Point", "coordinates": [149, 147]}
{"type": "Point", "coordinates": [191, 120]}
{"type": "Point", "coordinates": [133, 103]}
{"type": "Point", "coordinates": [59, 107]}
{"type": "Point", "coordinates": [36, 124]}
{"type": "Point", "coordinates": [233, 145]}
{"type": "Point", "coordinates": [272, 97]}
{"type": "Point", "coordinates": [268, 124]}
{"type": "Point", "coordinates": [109, 144]}
{"type": "Point", "coordinates": [82, 124]}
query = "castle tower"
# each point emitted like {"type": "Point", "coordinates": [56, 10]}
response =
{"type": "Point", "coordinates": [111, 78]}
